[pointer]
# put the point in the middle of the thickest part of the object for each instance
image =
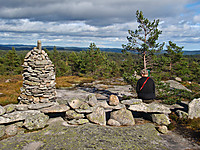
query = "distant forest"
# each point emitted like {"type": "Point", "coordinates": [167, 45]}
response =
{"type": "Point", "coordinates": [98, 64]}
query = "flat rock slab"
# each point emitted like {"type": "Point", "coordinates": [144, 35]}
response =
{"type": "Point", "coordinates": [90, 136]}
{"type": "Point", "coordinates": [55, 109]}
{"type": "Point", "coordinates": [150, 108]}
{"type": "Point", "coordinates": [177, 85]}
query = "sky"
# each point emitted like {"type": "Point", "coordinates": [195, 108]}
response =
{"type": "Point", "coordinates": [77, 23]}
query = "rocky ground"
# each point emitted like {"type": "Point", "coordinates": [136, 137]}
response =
{"type": "Point", "coordinates": [59, 135]}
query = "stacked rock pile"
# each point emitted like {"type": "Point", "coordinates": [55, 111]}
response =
{"type": "Point", "coordinates": [39, 78]}
{"type": "Point", "coordinates": [77, 112]}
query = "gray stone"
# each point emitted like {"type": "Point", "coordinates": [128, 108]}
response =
{"type": "Point", "coordinates": [105, 105]}
{"type": "Point", "coordinates": [160, 119]}
{"type": "Point", "coordinates": [84, 111]}
{"type": "Point", "coordinates": [2, 130]}
{"type": "Point", "coordinates": [162, 129]}
{"type": "Point", "coordinates": [113, 100]}
{"type": "Point", "coordinates": [123, 116]}
{"type": "Point", "coordinates": [2, 110]}
{"type": "Point", "coordinates": [55, 109]}
{"type": "Point", "coordinates": [75, 103]}
{"type": "Point", "coordinates": [98, 116]}
{"type": "Point", "coordinates": [22, 107]}
{"type": "Point", "coordinates": [150, 108]}
{"type": "Point", "coordinates": [11, 130]}
{"type": "Point", "coordinates": [85, 106]}
{"type": "Point", "coordinates": [177, 85]}
{"type": "Point", "coordinates": [9, 108]}
{"type": "Point", "coordinates": [39, 105]}
{"type": "Point", "coordinates": [78, 121]}
{"type": "Point", "coordinates": [55, 120]}
{"type": "Point", "coordinates": [131, 101]}
{"type": "Point", "coordinates": [33, 145]}
{"type": "Point", "coordinates": [113, 122]}
{"type": "Point", "coordinates": [71, 114]}
{"type": "Point", "coordinates": [178, 79]}
{"type": "Point", "coordinates": [4, 120]}
{"type": "Point", "coordinates": [17, 116]}
{"type": "Point", "coordinates": [37, 121]}
{"type": "Point", "coordinates": [19, 123]}
{"type": "Point", "coordinates": [194, 109]}
{"type": "Point", "coordinates": [182, 114]}
{"type": "Point", "coordinates": [91, 100]}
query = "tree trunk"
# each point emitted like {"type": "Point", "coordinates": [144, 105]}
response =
{"type": "Point", "coordinates": [170, 66]}
{"type": "Point", "coordinates": [145, 64]}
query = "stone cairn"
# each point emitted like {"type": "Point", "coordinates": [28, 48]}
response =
{"type": "Point", "coordinates": [39, 78]}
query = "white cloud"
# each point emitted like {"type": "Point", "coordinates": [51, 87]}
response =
{"type": "Point", "coordinates": [105, 22]}
{"type": "Point", "coordinates": [197, 19]}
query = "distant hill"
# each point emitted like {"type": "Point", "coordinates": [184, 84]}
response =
{"type": "Point", "coordinates": [116, 50]}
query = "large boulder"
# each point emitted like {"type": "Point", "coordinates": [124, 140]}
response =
{"type": "Point", "coordinates": [160, 119]}
{"type": "Point", "coordinates": [194, 109]}
{"type": "Point", "coordinates": [37, 121]}
{"type": "Point", "coordinates": [98, 116]}
{"type": "Point", "coordinates": [177, 85]}
{"type": "Point", "coordinates": [123, 116]}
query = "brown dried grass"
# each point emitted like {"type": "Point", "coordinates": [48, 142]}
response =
{"type": "Point", "coordinates": [11, 90]}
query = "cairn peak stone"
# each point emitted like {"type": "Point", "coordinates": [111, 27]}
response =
{"type": "Point", "coordinates": [38, 71]}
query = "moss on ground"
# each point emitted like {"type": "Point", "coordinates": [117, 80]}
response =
{"type": "Point", "coordinates": [89, 136]}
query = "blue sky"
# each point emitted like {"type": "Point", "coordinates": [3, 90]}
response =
{"type": "Point", "coordinates": [105, 22]}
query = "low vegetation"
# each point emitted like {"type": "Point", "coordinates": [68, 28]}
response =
{"type": "Point", "coordinates": [10, 86]}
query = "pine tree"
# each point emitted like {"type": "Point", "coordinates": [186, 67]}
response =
{"type": "Point", "coordinates": [143, 40]}
{"type": "Point", "coordinates": [174, 53]}
{"type": "Point", "coordinates": [12, 62]}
